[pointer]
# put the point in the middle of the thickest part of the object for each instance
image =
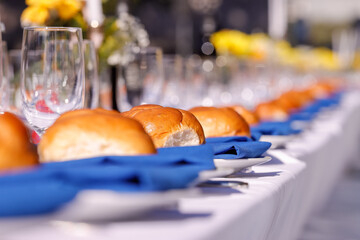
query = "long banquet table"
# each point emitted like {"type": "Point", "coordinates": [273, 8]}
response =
{"type": "Point", "coordinates": [281, 194]}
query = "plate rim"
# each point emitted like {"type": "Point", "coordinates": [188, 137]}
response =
{"type": "Point", "coordinates": [124, 210]}
{"type": "Point", "coordinates": [228, 161]}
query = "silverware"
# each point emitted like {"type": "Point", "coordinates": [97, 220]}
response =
{"type": "Point", "coordinates": [223, 184]}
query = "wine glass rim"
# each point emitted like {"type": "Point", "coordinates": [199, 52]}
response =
{"type": "Point", "coordinates": [39, 28]}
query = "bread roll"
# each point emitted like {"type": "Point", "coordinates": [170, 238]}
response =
{"type": "Point", "coordinates": [218, 122]}
{"type": "Point", "coordinates": [16, 151]}
{"type": "Point", "coordinates": [250, 117]}
{"type": "Point", "coordinates": [293, 100]}
{"type": "Point", "coordinates": [87, 111]}
{"type": "Point", "coordinates": [271, 112]}
{"type": "Point", "coordinates": [321, 90]}
{"type": "Point", "coordinates": [168, 126]}
{"type": "Point", "coordinates": [89, 133]}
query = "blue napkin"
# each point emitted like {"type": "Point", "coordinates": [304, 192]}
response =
{"type": "Point", "coordinates": [173, 156]}
{"type": "Point", "coordinates": [34, 197]}
{"type": "Point", "coordinates": [309, 112]}
{"type": "Point", "coordinates": [303, 116]}
{"type": "Point", "coordinates": [275, 128]}
{"type": "Point", "coordinates": [333, 100]}
{"type": "Point", "coordinates": [50, 186]}
{"type": "Point", "coordinates": [200, 155]}
{"type": "Point", "coordinates": [237, 147]}
{"type": "Point", "coordinates": [319, 104]}
{"type": "Point", "coordinates": [45, 190]}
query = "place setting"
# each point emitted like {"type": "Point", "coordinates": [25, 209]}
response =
{"type": "Point", "coordinates": [134, 119]}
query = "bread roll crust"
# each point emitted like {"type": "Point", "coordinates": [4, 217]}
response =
{"type": "Point", "coordinates": [321, 90]}
{"type": "Point", "coordinates": [293, 100]}
{"type": "Point", "coordinates": [271, 112]}
{"type": "Point", "coordinates": [168, 126]}
{"type": "Point", "coordinates": [16, 151]}
{"type": "Point", "coordinates": [223, 121]}
{"type": "Point", "coordinates": [87, 111]}
{"type": "Point", "coordinates": [90, 133]}
{"type": "Point", "coordinates": [250, 117]}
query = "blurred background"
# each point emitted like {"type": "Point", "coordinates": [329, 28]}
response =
{"type": "Point", "coordinates": [172, 25]}
{"type": "Point", "coordinates": [183, 26]}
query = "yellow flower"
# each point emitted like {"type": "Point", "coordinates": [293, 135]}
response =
{"type": "Point", "coordinates": [284, 53]}
{"type": "Point", "coordinates": [259, 46]}
{"type": "Point", "coordinates": [231, 41]}
{"type": "Point", "coordinates": [43, 3]}
{"type": "Point", "coordinates": [326, 59]}
{"type": "Point", "coordinates": [35, 15]}
{"type": "Point", "coordinates": [68, 8]}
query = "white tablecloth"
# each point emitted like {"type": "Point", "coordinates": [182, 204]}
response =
{"type": "Point", "coordinates": [281, 194]}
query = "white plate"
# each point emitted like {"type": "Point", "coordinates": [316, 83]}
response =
{"type": "Point", "coordinates": [277, 141]}
{"type": "Point", "coordinates": [239, 164]}
{"type": "Point", "coordinates": [102, 205]}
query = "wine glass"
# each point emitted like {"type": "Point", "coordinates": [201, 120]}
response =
{"type": "Point", "coordinates": [5, 77]}
{"type": "Point", "coordinates": [91, 75]}
{"type": "Point", "coordinates": [14, 81]}
{"type": "Point", "coordinates": [174, 94]}
{"type": "Point", "coordinates": [2, 82]}
{"type": "Point", "coordinates": [52, 74]}
{"type": "Point", "coordinates": [141, 80]}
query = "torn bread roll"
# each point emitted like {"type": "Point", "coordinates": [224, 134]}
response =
{"type": "Point", "coordinates": [167, 126]}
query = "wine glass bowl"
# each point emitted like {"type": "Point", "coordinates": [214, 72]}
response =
{"type": "Point", "coordinates": [5, 78]}
{"type": "Point", "coordinates": [52, 74]}
{"type": "Point", "coordinates": [141, 79]}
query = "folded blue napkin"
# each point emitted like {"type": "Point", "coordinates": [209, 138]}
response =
{"type": "Point", "coordinates": [275, 128]}
{"type": "Point", "coordinates": [34, 197]}
{"type": "Point", "coordinates": [51, 185]}
{"type": "Point", "coordinates": [333, 100]}
{"type": "Point", "coordinates": [173, 156]}
{"type": "Point", "coordinates": [302, 116]}
{"type": "Point", "coordinates": [46, 189]}
{"type": "Point", "coordinates": [237, 147]}
{"type": "Point", "coordinates": [200, 155]}
{"type": "Point", "coordinates": [309, 112]}
{"type": "Point", "coordinates": [319, 104]}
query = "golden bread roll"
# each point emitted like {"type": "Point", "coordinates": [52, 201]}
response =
{"type": "Point", "coordinates": [250, 117]}
{"type": "Point", "coordinates": [308, 98]}
{"type": "Point", "coordinates": [221, 122]}
{"type": "Point", "coordinates": [16, 151]}
{"type": "Point", "coordinates": [167, 126]}
{"type": "Point", "coordinates": [321, 90]}
{"type": "Point", "coordinates": [293, 100]}
{"type": "Point", "coordinates": [271, 112]}
{"type": "Point", "coordinates": [90, 133]}
{"type": "Point", "coordinates": [87, 111]}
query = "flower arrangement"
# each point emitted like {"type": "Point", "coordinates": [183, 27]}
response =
{"type": "Point", "coordinates": [120, 35]}
{"type": "Point", "coordinates": [241, 44]}
{"type": "Point", "coordinates": [54, 13]}
{"type": "Point", "coordinates": [260, 47]}
{"type": "Point", "coordinates": [120, 29]}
